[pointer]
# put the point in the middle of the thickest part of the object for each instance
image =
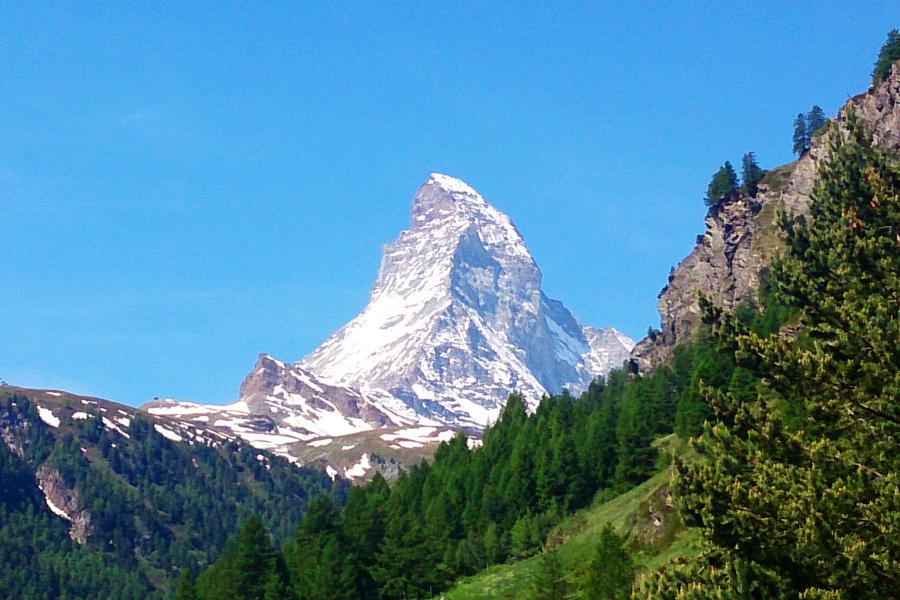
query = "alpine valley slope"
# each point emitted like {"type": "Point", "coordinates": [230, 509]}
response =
{"type": "Point", "coordinates": [456, 321]}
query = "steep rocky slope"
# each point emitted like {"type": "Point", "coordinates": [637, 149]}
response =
{"type": "Point", "coordinates": [741, 235]}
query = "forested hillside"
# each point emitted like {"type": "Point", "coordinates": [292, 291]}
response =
{"type": "Point", "coordinates": [102, 503]}
{"type": "Point", "coordinates": [475, 507]}
{"type": "Point", "coordinates": [796, 491]}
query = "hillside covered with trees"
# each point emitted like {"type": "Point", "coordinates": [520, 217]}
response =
{"type": "Point", "coordinates": [475, 507]}
{"type": "Point", "coordinates": [146, 506]}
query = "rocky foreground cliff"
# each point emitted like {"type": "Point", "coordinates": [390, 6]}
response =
{"type": "Point", "coordinates": [742, 236]}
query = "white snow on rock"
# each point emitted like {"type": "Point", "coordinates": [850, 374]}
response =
{"type": "Point", "coordinates": [415, 433]}
{"type": "Point", "coordinates": [80, 415]}
{"type": "Point", "coordinates": [331, 471]}
{"type": "Point", "coordinates": [446, 436]}
{"type": "Point", "coordinates": [320, 443]}
{"type": "Point", "coordinates": [423, 435]}
{"type": "Point", "coordinates": [359, 469]}
{"type": "Point", "coordinates": [110, 425]}
{"type": "Point", "coordinates": [178, 408]}
{"type": "Point", "coordinates": [48, 417]}
{"type": "Point", "coordinates": [168, 433]}
{"type": "Point", "coordinates": [57, 394]}
{"type": "Point", "coordinates": [410, 444]}
{"type": "Point", "coordinates": [56, 510]}
{"type": "Point", "coordinates": [281, 404]}
{"type": "Point", "coordinates": [457, 320]}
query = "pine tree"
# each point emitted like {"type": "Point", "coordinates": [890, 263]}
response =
{"type": "Point", "coordinates": [363, 522]}
{"type": "Point", "coordinates": [722, 185]}
{"type": "Point", "coordinates": [751, 174]}
{"type": "Point", "coordinates": [887, 56]}
{"type": "Point", "coordinates": [319, 559]}
{"type": "Point", "coordinates": [277, 585]}
{"type": "Point", "coordinates": [636, 456]}
{"type": "Point", "coordinates": [796, 490]}
{"type": "Point", "coordinates": [524, 538]}
{"type": "Point", "coordinates": [548, 582]}
{"type": "Point", "coordinates": [403, 565]}
{"type": "Point", "coordinates": [187, 587]}
{"type": "Point", "coordinates": [611, 569]}
{"type": "Point", "coordinates": [220, 580]}
{"type": "Point", "coordinates": [801, 135]}
{"type": "Point", "coordinates": [253, 560]}
{"type": "Point", "coordinates": [815, 120]}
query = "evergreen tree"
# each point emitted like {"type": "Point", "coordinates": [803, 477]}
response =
{"type": "Point", "coordinates": [187, 587]}
{"type": "Point", "coordinates": [548, 581]}
{"type": "Point", "coordinates": [220, 580]}
{"type": "Point", "coordinates": [402, 568]}
{"type": "Point", "coordinates": [795, 491]}
{"type": "Point", "coordinates": [801, 135]}
{"type": "Point", "coordinates": [887, 56]}
{"type": "Point", "coordinates": [751, 174]}
{"type": "Point", "coordinates": [320, 561]}
{"type": "Point", "coordinates": [278, 585]}
{"type": "Point", "coordinates": [253, 560]}
{"type": "Point", "coordinates": [722, 185]}
{"type": "Point", "coordinates": [611, 569]}
{"type": "Point", "coordinates": [469, 508]}
{"type": "Point", "coordinates": [524, 538]}
{"type": "Point", "coordinates": [636, 456]}
{"type": "Point", "coordinates": [815, 120]}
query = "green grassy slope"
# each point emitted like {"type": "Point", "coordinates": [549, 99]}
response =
{"type": "Point", "coordinates": [644, 513]}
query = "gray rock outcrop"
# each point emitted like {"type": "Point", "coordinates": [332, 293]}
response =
{"type": "Point", "coordinates": [742, 236]}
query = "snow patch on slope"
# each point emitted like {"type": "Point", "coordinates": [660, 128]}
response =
{"type": "Point", "coordinates": [55, 509]}
{"type": "Point", "coordinates": [48, 417]}
{"type": "Point", "coordinates": [168, 433]}
{"type": "Point", "coordinates": [359, 469]}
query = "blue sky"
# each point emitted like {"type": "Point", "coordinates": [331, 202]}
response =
{"type": "Point", "coordinates": [183, 187]}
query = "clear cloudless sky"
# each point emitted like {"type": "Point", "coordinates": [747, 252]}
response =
{"type": "Point", "coordinates": [185, 185]}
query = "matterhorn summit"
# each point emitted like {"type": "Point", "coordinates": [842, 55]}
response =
{"type": "Point", "coordinates": [457, 320]}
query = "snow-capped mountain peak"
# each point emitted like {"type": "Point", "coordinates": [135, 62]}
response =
{"type": "Point", "coordinates": [455, 322]}
{"type": "Point", "coordinates": [456, 319]}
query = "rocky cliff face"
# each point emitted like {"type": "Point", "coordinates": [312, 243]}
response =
{"type": "Point", "coordinates": [741, 235]}
{"type": "Point", "coordinates": [64, 502]}
{"type": "Point", "coordinates": [282, 405]}
{"type": "Point", "coordinates": [293, 397]}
